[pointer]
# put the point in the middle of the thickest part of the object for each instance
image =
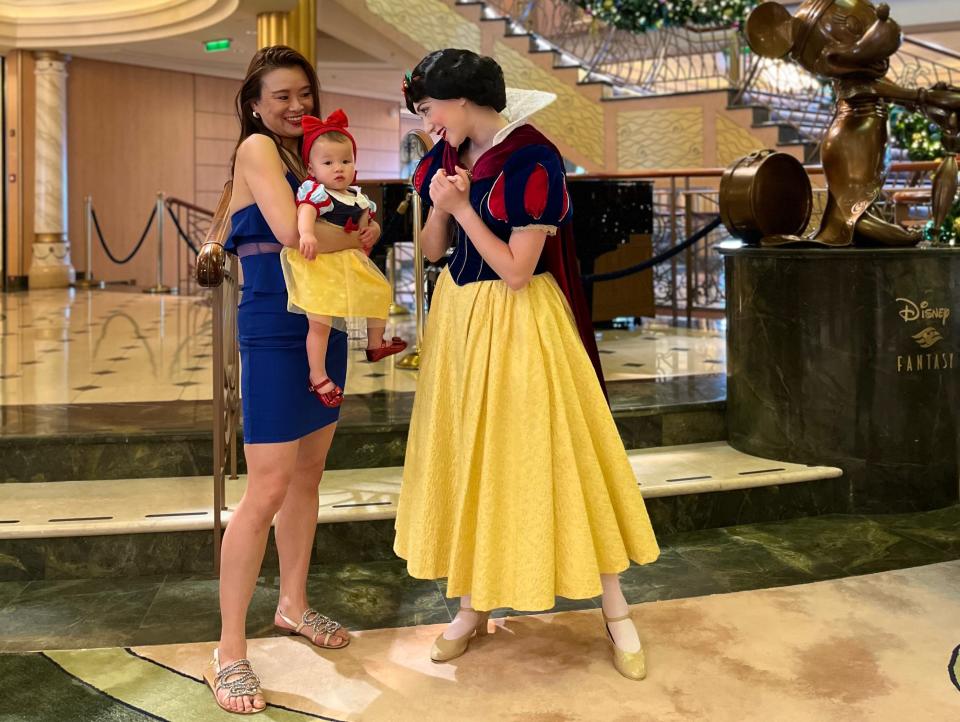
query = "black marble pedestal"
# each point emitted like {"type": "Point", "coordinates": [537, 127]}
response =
{"type": "Point", "coordinates": [851, 358]}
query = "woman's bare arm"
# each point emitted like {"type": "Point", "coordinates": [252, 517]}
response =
{"type": "Point", "coordinates": [332, 238]}
{"type": "Point", "coordinates": [435, 236]}
{"type": "Point", "coordinates": [515, 261]}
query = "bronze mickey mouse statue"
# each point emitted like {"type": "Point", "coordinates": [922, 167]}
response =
{"type": "Point", "coordinates": [851, 42]}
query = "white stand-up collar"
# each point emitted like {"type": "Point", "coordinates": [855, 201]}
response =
{"type": "Point", "coordinates": [521, 104]}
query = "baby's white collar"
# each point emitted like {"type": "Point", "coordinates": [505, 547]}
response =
{"type": "Point", "coordinates": [351, 199]}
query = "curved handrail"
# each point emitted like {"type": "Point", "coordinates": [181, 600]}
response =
{"type": "Point", "coordinates": [190, 206]}
{"type": "Point", "coordinates": [908, 40]}
{"type": "Point", "coordinates": [924, 166]}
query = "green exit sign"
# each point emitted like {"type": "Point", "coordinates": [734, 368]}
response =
{"type": "Point", "coordinates": [217, 46]}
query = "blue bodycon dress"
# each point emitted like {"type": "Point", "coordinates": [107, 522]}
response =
{"type": "Point", "coordinates": [274, 373]}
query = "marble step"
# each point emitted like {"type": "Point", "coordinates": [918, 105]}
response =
{"type": "Point", "coordinates": [114, 527]}
{"type": "Point", "coordinates": [122, 441]}
{"type": "Point", "coordinates": [136, 506]}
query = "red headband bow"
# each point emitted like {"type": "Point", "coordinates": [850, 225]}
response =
{"type": "Point", "coordinates": [313, 128]}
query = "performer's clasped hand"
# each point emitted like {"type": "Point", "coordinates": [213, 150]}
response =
{"type": "Point", "coordinates": [451, 193]}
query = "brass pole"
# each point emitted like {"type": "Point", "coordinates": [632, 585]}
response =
{"type": "Point", "coordinates": [412, 359]}
{"type": "Point", "coordinates": [673, 239]}
{"type": "Point", "coordinates": [87, 281]}
{"type": "Point", "coordinates": [219, 433]}
{"type": "Point", "coordinates": [690, 252]}
{"type": "Point", "coordinates": [159, 288]}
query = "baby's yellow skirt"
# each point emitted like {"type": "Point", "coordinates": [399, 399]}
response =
{"type": "Point", "coordinates": [516, 487]}
{"type": "Point", "coordinates": [345, 284]}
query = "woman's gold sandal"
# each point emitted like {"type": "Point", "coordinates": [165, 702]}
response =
{"type": "Point", "coordinates": [632, 665]}
{"type": "Point", "coordinates": [446, 649]}
{"type": "Point", "coordinates": [316, 622]}
{"type": "Point", "coordinates": [238, 678]}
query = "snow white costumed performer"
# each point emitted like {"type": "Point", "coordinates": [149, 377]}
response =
{"type": "Point", "coordinates": [516, 487]}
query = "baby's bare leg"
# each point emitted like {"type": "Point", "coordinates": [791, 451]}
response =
{"type": "Point", "coordinates": [318, 336]}
{"type": "Point", "coordinates": [375, 328]}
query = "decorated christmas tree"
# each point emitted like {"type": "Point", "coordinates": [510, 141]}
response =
{"type": "Point", "coordinates": [922, 141]}
{"type": "Point", "coordinates": [640, 16]}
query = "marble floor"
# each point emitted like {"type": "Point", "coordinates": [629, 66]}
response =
{"type": "Point", "coordinates": [107, 346]}
{"type": "Point", "coordinates": [870, 648]}
{"type": "Point", "coordinates": [73, 614]}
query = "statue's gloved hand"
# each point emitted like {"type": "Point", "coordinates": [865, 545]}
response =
{"type": "Point", "coordinates": [942, 97]}
{"type": "Point", "coordinates": [950, 138]}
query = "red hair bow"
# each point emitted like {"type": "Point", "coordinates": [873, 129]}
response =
{"type": "Point", "coordinates": [313, 128]}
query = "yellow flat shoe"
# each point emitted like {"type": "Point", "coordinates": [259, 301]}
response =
{"type": "Point", "coordinates": [446, 649]}
{"type": "Point", "coordinates": [632, 665]}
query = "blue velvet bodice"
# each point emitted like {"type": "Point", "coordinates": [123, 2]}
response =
{"type": "Point", "coordinates": [528, 192]}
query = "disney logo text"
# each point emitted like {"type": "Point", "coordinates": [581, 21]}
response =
{"type": "Point", "coordinates": [911, 311]}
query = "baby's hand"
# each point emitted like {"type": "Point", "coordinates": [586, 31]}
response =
{"type": "Point", "coordinates": [368, 236]}
{"type": "Point", "coordinates": [308, 246]}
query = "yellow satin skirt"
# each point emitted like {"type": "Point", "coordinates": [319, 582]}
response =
{"type": "Point", "coordinates": [345, 284]}
{"type": "Point", "coordinates": [516, 486]}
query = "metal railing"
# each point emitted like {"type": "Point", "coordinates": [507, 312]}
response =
{"type": "Point", "coordinates": [685, 60]}
{"type": "Point", "coordinates": [685, 199]}
{"type": "Point", "coordinates": [226, 392]}
{"type": "Point", "coordinates": [191, 223]}
{"type": "Point", "coordinates": [797, 98]}
{"type": "Point", "coordinates": [672, 60]}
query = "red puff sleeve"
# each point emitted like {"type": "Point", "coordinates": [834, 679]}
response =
{"type": "Point", "coordinates": [531, 191]}
{"type": "Point", "coordinates": [426, 169]}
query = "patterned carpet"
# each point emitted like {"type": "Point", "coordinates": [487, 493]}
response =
{"type": "Point", "coordinates": [875, 647]}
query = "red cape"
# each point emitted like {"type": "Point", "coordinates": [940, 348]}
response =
{"type": "Point", "coordinates": [559, 251]}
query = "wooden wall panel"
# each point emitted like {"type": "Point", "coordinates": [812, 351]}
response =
{"type": "Point", "coordinates": [162, 130]}
{"type": "Point", "coordinates": [20, 107]}
{"type": "Point", "coordinates": [214, 152]}
{"type": "Point", "coordinates": [376, 126]}
{"type": "Point", "coordinates": [215, 95]}
{"type": "Point", "coordinates": [130, 134]}
{"type": "Point", "coordinates": [217, 126]}
{"type": "Point", "coordinates": [14, 190]}
{"type": "Point", "coordinates": [216, 137]}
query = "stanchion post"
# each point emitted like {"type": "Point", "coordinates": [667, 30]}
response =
{"type": "Point", "coordinates": [87, 280]}
{"type": "Point", "coordinates": [412, 360]}
{"type": "Point", "coordinates": [673, 242]}
{"type": "Point", "coordinates": [159, 287]}
{"type": "Point", "coordinates": [396, 309]}
{"type": "Point", "coordinates": [690, 252]}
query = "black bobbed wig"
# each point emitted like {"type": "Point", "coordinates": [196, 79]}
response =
{"type": "Point", "coordinates": [452, 73]}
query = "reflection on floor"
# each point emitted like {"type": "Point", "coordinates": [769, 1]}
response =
{"type": "Point", "coordinates": [80, 347]}
{"type": "Point", "coordinates": [864, 648]}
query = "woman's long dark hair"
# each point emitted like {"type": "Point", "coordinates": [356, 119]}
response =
{"type": "Point", "coordinates": [266, 60]}
{"type": "Point", "coordinates": [452, 73]}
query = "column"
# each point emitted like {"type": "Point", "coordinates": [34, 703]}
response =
{"type": "Point", "coordinates": [303, 29]}
{"type": "Point", "coordinates": [272, 29]}
{"type": "Point", "coordinates": [297, 28]}
{"type": "Point", "coordinates": [50, 266]}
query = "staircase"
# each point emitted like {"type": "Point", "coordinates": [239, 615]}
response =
{"type": "Point", "coordinates": [649, 83]}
